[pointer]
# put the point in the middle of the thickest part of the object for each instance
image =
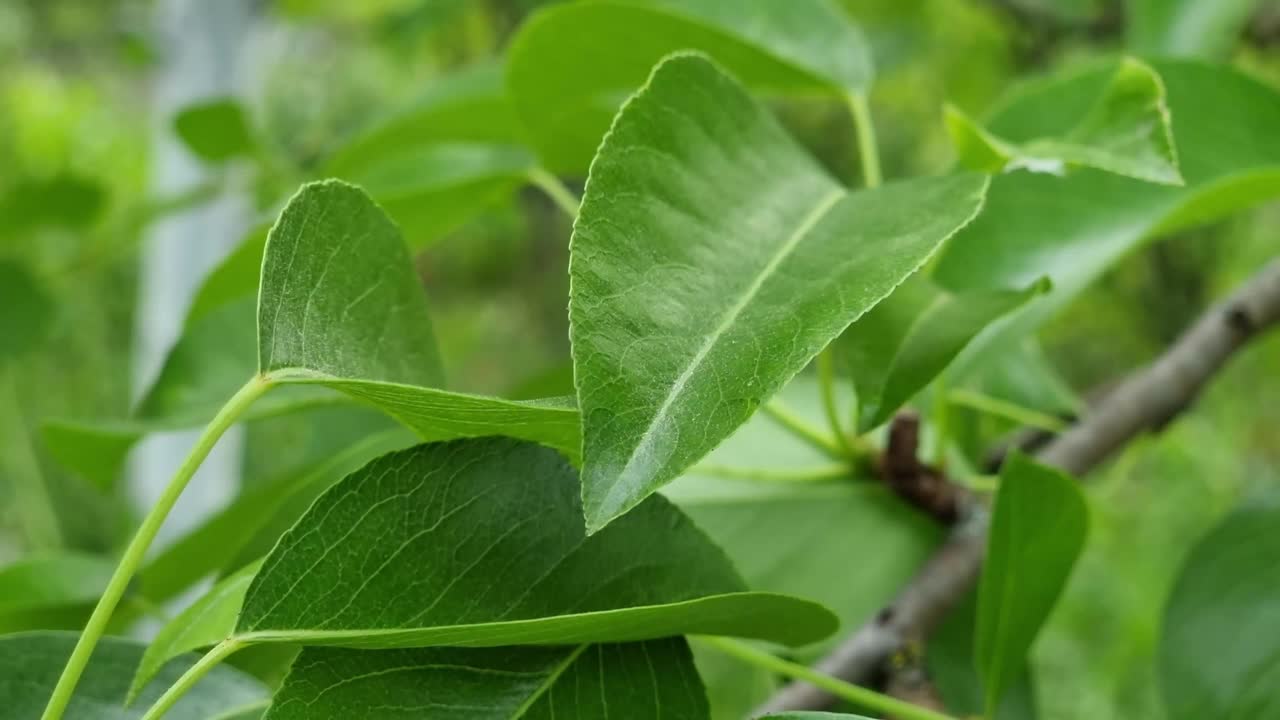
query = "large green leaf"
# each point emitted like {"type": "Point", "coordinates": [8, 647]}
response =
{"type": "Point", "coordinates": [1038, 528]}
{"type": "Point", "coordinates": [654, 679]}
{"type": "Point", "coordinates": [1220, 644]}
{"type": "Point", "coordinates": [445, 157]}
{"type": "Point", "coordinates": [732, 262]}
{"type": "Point", "coordinates": [570, 66]}
{"type": "Point", "coordinates": [1073, 228]}
{"type": "Point", "coordinates": [480, 543]}
{"type": "Point", "coordinates": [30, 664]}
{"type": "Point", "coordinates": [1187, 28]}
{"type": "Point", "coordinates": [1126, 132]}
{"type": "Point", "coordinates": [907, 340]}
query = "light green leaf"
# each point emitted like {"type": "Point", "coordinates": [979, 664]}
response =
{"type": "Point", "coordinates": [907, 340]}
{"type": "Point", "coordinates": [1187, 28]}
{"type": "Point", "coordinates": [215, 130]}
{"type": "Point", "coordinates": [480, 543]}
{"type": "Point", "coordinates": [30, 664]}
{"type": "Point", "coordinates": [1220, 642]}
{"type": "Point", "coordinates": [248, 527]}
{"type": "Point", "coordinates": [753, 259]}
{"type": "Point", "coordinates": [444, 158]}
{"type": "Point", "coordinates": [204, 623]}
{"type": "Point", "coordinates": [1126, 132]}
{"type": "Point", "coordinates": [1073, 228]}
{"type": "Point", "coordinates": [647, 679]}
{"type": "Point", "coordinates": [1038, 528]}
{"type": "Point", "coordinates": [570, 66]}
{"type": "Point", "coordinates": [26, 310]}
{"type": "Point", "coordinates": [51, 590]}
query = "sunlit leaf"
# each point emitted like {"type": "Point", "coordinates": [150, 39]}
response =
{"type": "Point", "coordinates": [571, 65]}
{"type": "Point", "coordinates": [1220, 642]}
{"type": "Point", "coordinates": [1038, 529]}
{"type": "Point", "coordinates": [30, 664]}
{"type": "Point", "coordinates": [646, 679]}
{"type": "Point", "coordinates": [907, 340]}
{"type": "Point", "coordinates": [752, 260]}
{"type": "Point", "coordinates": [1126, 131]}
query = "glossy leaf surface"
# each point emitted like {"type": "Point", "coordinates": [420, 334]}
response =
{"type": "Point", "coordinates": [1038, 529]}
{"type": "Point", "coordinates": [648, 679]}
{"type": "Point", "coordinates": [480, 543]}
{"type": "Point", "coordinates": [566, 104]}
{"type": "Point", "coordinates": [695, 297]}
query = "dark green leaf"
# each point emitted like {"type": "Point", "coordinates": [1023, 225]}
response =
{"type": "Point", "coordinates": [1075, 227]}
{"type": "Point", "coordinates": [648, 679]}
{"type": "Point", "coordinates": [1187, 28]}
{"type": "Point", "coordinates": [949, 664]}
{"type": "Point", "coordinates": [1220, 644]}
{"type": "Point", "coordinates": [571, 65]}
{"type": "Point", "coordinates": [1038, 528]}
{"type": "Point", "coordinates": [63, 201]}
{"type": "Point", "coordinates": [907, 340]}
{"type": "Point", "coordinates": [1126, 131]}
{"type": "Point", "coordinates": [480, 543]}
{"type": "Point", "coordinates": [26, 311]}
{"type": "Point", "coordinates": [753, 260]}
{"type": "Point", "coordinates": [30, 664]}
{"type": "Point", "coordinates": [215, 130]}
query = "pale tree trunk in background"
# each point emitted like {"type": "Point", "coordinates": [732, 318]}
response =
{"type": "Point", "coordinates": [200, 46]}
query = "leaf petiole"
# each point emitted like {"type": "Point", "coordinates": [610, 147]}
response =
{"type": "Point", "coordinates": [562, 196]}
{"type": "Point", "coordinates": [819, 473]}
{"type": "Point", "coordinates": [802, 429]}
{"type": "Point", "coordinates": [1007, 410]}
{"type": "Point", "coordinates": [867, 699]}
{"type": "Point", "coordinates": [827, 388]}
{"type": "Point", "coordinates": [133, 555]}
{"type": "Point", "coordinates": [209, 661]}
{"type": "Point", "coordinates": [868, 151]}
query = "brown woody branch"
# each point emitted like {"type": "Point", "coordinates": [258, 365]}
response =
{"type": "Point", "coordinates": [1147, 401]}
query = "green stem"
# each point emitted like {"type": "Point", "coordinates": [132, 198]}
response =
{"type": "Point", "coordinates": [189, 678]}
{"type": "Point", "coordinates": [834, 471]}
{"type": "Point", "coordinates": [860, 696]}
{"type": "Point", "coordinates": [556, 190]}
{"type": "Point", "coordinates": [941, 421]}
{"type": "Point", "coordinates": [798, 426]}
{"type": "Point", "coordinates": [827, 388]}
{"type": "Point", "coordinates": [137, 549]}
{"type": "Point", "coordinates": [868, 151]}
{"type": "Point", "coordinates": [1007, 410]}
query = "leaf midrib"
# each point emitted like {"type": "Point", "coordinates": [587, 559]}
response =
{"type": "Point", "coordinates": [811, 219]}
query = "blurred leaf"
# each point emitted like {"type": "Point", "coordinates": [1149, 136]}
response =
{"type": "Point", "coordinates": [1187, 28]}
{"type": "Point", "coordinates": [815, 716]}
{"type": "Point", "coordinates": [733, 688]}
{"type": "Point", "coordinates": [215, 130]}
{"type": "Point", "coordinates": [677, 340]}
{"type": "Point", "coordinates": [566, 104]}
{"type": "Point", "coordinates": [461, 531]}
{"type": "Point", "coordinates": [1074, 228]}
{"type": "Point", "coordinates": [1220, 644]}
{"type": "Point", "coordinates": [65, 200]}
{"type": "Point", "coordinates": [202, 624]}
{"type": "Point", "coordinates": [907, 340]}
{"type": "Point", "coordinates": [26, 311]}
{"type": "Point", "coordinates": [30, 664]}
{"type": "Point", "coordinates": [650, 679]}
{"type": "Point", "coordinates": [1126, 132]}
{"type": "Point", "coordinates": [1038, 528]}
{"type": "Point", "coordinates": [51, 590]}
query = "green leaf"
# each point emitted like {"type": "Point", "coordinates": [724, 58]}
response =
{"type": "Point", "coordinates": [647, 679]}
{"type": "Point", "coordinates": [30, 664]}
{"type": "Point", "coordinates": [1038, 528]}
{"type": "Point", "coordinates": [815, 716]}
{"type": "Point", "coordinates": [1220, 641]}
{"type": "Point", "coordinates": [1073, 228]}
{"type": "Point", "coordinates": [907, 340]}
{"type": "Point", "coordinates": [248, 527]}
{"type": "Point", "coordinates": [949, 663]}
{"type": "Point", "coordinates": [566, 103]}
{"type": "Point", "coordinates": [1187, 28]}
{"type": "Point", "coordinates": [204, 623]}
{"type": "Point", "coordinates": [444, 158]}
{"type": "Point", "coordinates": [26, 311]}
{"type": "Point", "coordinates": [480, 543]}
{"type": "Point", "coordinates": [65, 200]}
{"type": "Point", "coordinates": [1127, 132]}
{"type": "Point", "coordinates": [51, 590]}
{"type": "Point", "coordinates": [215, 130]}
{"type": "Point", "coordinates": [677, 339]}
